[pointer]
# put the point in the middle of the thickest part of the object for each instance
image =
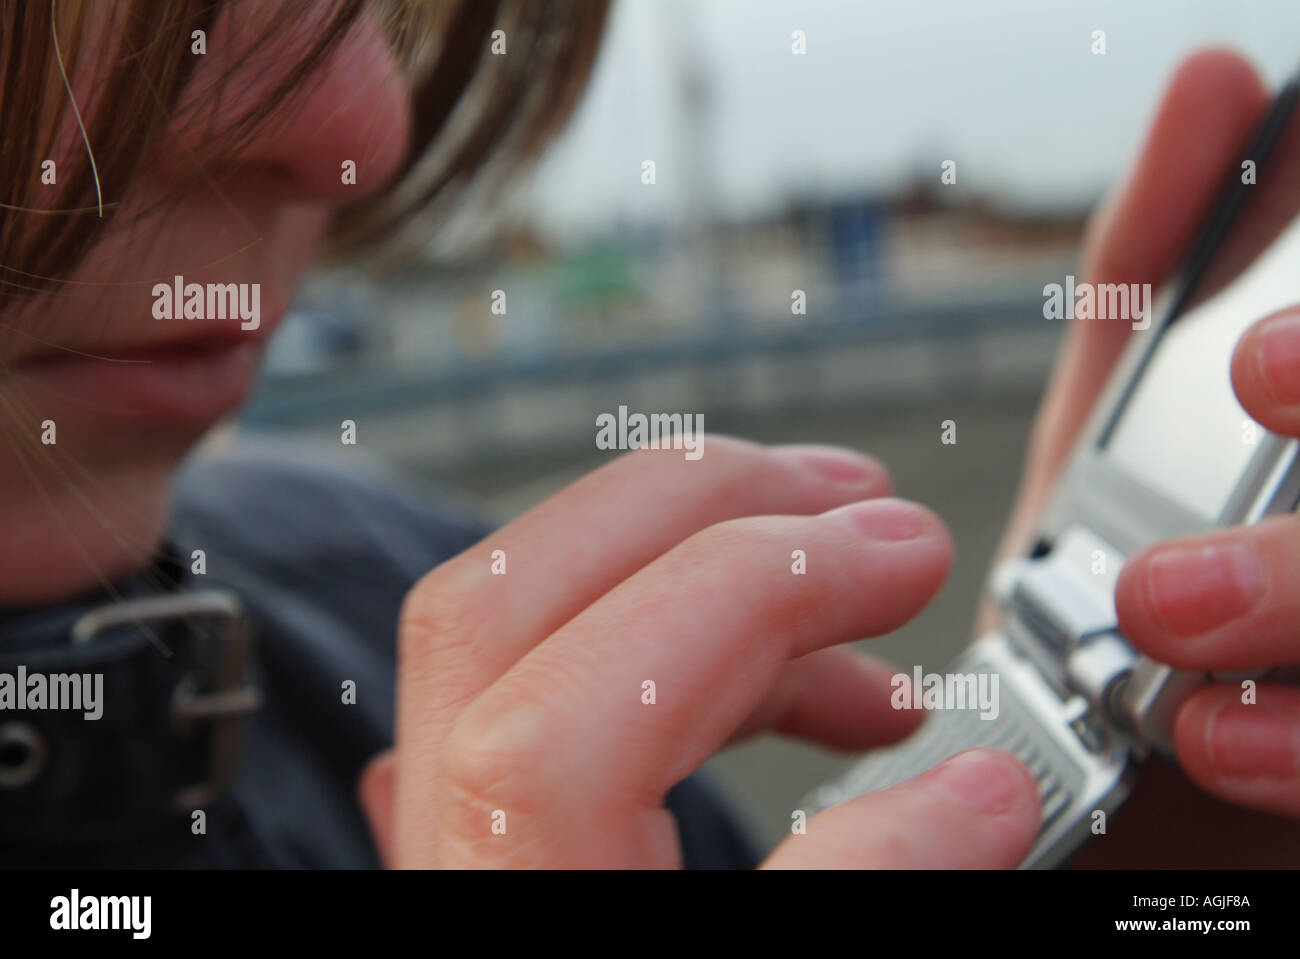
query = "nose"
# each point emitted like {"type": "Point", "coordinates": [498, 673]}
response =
{"type": "Point", "coordinates": [338, 136]}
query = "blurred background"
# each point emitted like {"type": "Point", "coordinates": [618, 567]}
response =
{"type": "Point", "coordinates": [775, 171]}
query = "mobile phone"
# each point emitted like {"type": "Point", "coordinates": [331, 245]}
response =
{"type": "Point", "coordinates": [1168, 451]}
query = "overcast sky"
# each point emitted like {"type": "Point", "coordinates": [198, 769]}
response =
{"type": "Point", "coordinates": [1009, 89]}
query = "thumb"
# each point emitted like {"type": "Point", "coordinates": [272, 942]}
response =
{"type": "Point", "coordinates": [376, 791]}
{"type": "Point", "coordinates": [977, 810]}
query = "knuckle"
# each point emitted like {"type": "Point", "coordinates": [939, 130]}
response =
{"type": "Point", "coordinates": [723, 557]}
{"type": "Point", "coordinates": [728, 478]}
{"type": "Point", "coordinates": [439, 614]}
{"type": "Point", "coordinates": [491, 753]}
{"type": "Point", "coordinates": [734, 475]}
{"type": "Point", "coordinates": [725, 452]}
{"type": "Point", "coordinates": [899, 849]}
{"type": "Point", "coordinates": [730, 535]}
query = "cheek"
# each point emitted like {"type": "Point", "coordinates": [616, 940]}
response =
{"type": "Point", "coordinates": [357, 111]}
{"type": "Point", "coordinates": [235, 235]}
{"type": "Point", "coordinates": [353, 108]}
{"type": "Point", "coordinates": [291, 245]}
{"type": "Point", "coordinates": [293, 242]}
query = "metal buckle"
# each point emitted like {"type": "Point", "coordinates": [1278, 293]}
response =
{"type": "Point", "coordinates": [230, 697]}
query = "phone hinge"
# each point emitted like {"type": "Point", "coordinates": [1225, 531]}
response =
{"type": "Point", "coordinates": [1065, 602]}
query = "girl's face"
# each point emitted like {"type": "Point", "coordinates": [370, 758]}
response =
{"type": "Point", "coordinates": [100, 398]}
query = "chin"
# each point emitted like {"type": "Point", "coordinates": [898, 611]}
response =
{"type": "Point", "coordinates": [76, 522]}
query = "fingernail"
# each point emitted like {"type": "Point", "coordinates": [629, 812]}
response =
{"type": "Point", "coordinates": [1196, 589]}
{"type": "Point", "coordinates": [980, 778]}
{"type": "Point", "coordinates": [833, 463]}
{"type": "Point", "coordinates": [888, 520]}
{"type": "Point", "coordinates": [1277, 352]}
{"type": "Point", "coordinates": [1249, 741]}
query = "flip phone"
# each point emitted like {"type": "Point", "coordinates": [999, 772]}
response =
{"type": "Point", "coordinates": [1168, 451]}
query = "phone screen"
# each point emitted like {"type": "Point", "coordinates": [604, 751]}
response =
{"type": "Point", "coordinates": [1182, 431]}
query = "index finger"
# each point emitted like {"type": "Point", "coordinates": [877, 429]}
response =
{"type": "Point", "coordinates": [568, 735]}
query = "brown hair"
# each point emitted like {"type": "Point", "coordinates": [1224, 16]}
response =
{"type": "Point", "coordinates": [475, 117]}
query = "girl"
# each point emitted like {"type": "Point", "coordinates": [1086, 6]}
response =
{"type": "Point", "coordinates": [221, 143]}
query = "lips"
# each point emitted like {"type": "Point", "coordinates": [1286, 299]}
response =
{"type": "Point", "coordinates": [192, 381]}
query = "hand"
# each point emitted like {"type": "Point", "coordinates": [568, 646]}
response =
{"type": "Point", "coordinates": [521, 701]}
{"type": "Point", "coordinates": [1171, 603]}
{"type": "Point", "coordinates": [1230, 600]}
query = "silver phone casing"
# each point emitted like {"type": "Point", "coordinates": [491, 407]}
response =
{"type": "Point", "coordinates": [1080, 706]}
